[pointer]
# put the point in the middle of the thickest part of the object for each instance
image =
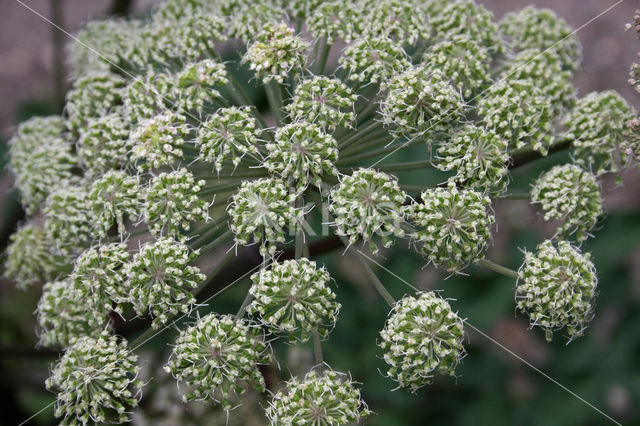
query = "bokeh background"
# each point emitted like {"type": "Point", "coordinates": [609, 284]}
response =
{"type": "Point", "coordinates": [494, 387]}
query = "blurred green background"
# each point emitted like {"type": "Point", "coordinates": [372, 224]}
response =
{"type": "Point", "coordinates": [493, 387]}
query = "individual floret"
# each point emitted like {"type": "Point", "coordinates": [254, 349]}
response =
{"type": "Point", "coordinates": [96, 381]}
{"type": "Point", "coordinates": [367, 204]}
{"type": "Point", "coordinates": [571, 194]}
{"type": "Point", "coordinates": [172, 203]}
{"type": "Point", "coordinates": [260, 212]}
{"type": "Point", "coordinates": [324, 101]}
{"type": "Point", "coordinates": [422, 337]}
{"type": "Point", "coordinates": [218, 357]}
{"type": "Point", "coordinates": [479, 158]}
{"type": "Point", "coordinates": [161, 279]}
{"type": "Point", "coordinates": [301, 153]}
{"type": "Point", "coordinates": [556, 289]}
{"type": "Point", "coordinates": [293, 298]}
{"type": "Point", "coordinates": [325, 398]}
{"type": "Point", "coordinates": [452, 226]}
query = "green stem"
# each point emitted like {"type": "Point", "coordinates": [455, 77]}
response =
{"type": "Point", "coordinates": [373, 278]}
{"type": "Point", "coordinates": [366, 155]}
{"type": "Point", "coordinates": [226, 236]}
{"type": "Point", "coordinates": [503, 270]}
{"type": "Point", "coordinates": [410, 165]}
{"type": "Point", "coordinates": [244, 305]}
{"type": "Point", "coordinates": [323, 54]}
{"type": "Point", "coordinates": [241, 97]}
{"type": "Point", "coordinates": [317, 348]}
{"type": "Point", "coordinates": [301, 248]}
{"type": "Point", "coordinates": [274, 95]}
{"type": "Point", "coordinates": [217, 189]}
{"type": "Point", "coordinates": [359, 133]}
{"type": "Point", "coordinates": [515, 196]}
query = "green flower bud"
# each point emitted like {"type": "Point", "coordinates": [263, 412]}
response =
{"type": "Point", "coordinates": [96, 381]}
{"type": "Point", "coordinates": [247, 18]}
{"type": "Point", "coordinates": [571, 194]}
{"type": "Point", "coordinates": [466, 17]}
{"type": "Point", "coordinates": [402, 21]}
{"type": "Point", "coordinates": [160, 280]}
{"type": "Point", "coordinates": [111, 198]}
{"type": "Point", "coordinates": [197, 85]}
{"type": "Point", "coordinates": [68, 221]}
{"type": "Point", "coordinates": [421, 102]}
{"type": "Point", "coordinates": [260, 211]}
{"type": "Point", "coordinates": [218, 357]}
{"type": "Point", "coordinates": [158, 141]}
{"type": "Point", "coordinates": [147, 97]}
{"type": "Point", "coordinates": [326, 398]}
{"type": "Point", "coordinates": [374, 60]}
{"type": "Point", "coordinates": [367, 204]}
{"type": "Point", "coordinates": [452, 226]}
{"type": "Point", "coordinates": [478, 156]}
{"type": "Point", "coordinates": [294, 298]}
{"type": "Point", "coordinates": [556, 288]}
{"type": "Point", "coordinates": [336, 19]}
{"type": "Point", "coordinates": [302, 152]}
{"type": "Point", "coordinates": [104, 144]}
{"type": "Point", "coordinates": [421, 337]}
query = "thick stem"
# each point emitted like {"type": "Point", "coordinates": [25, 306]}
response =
{"type": "Point", "coordinates": [503, 270]}
{"type": "Point", "coordinates": [388, 150]}
{"type": "Point", "coordinates": [410, 165]}
{"type": "Point", "coordinates": [317, 348]}
{"type": "Point", "coordinates": [515, 196]}
{"type": "Point", "coordinates": [323, 54]}
{"type": "Point", "coordinates": [274, 95]}
{"type": "Point", "coordinates": [228, 235]}
{"type": "Point", "coordinates": [522, 157]}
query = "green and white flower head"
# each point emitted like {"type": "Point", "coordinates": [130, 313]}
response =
{"type": "Point", "coordinates": [40, 165]}
{"type": "Point", "coordinates": [545, 70]}
{"type": "Point", "coordinates": [542, 29]}
{"type": "Point", "coordinates": [452, 226]}
{"type": "Point", "coordinates": [596, 127]}
{"type": "Point", "coordinates": [31, 134]}
{"type": "Point", "coordinates": [631, 143]}
{"type": "Point", "coordinates": [175, 10]}
{"type": "Point", "coordinates": [198, 85]}
{"type": "Point", "coordinates": [421, 102]}
{"type": "Point", "coordinates": [161, 279]}
{"type": "Point", "coordinates": [218, 357]}
{"type": "Point", "coordinates": [571, 194]}
{"type": "Point", "coordinates": [466, 17]}
{"type": "Point", "coordinates": [320, 398]}
{"type": "Point", "coordinates": [172, 203]}
{"type": "Point", "coordinates": [434, 8]}
{"type": "Point", "coordinates": [324, 101]}
{"type": "Point", "coordinates": [260, 212]}
{"type": "Point", "coordinates": [556, 289]}
{"type": "Point", "coordinates": [479, 158]}
{"type": "Point", "coordinates": [248, 18]}
{"type": "Point", "coordinates": [158, 141]}
{"type": "Point", "coordinates": [104, 144]}
{"type": "Point", "coordinates": [276, 53]}
{"type": "Point", "coordinates": [374, 60]}
{"type": "Point", "coordinates": [66, 311]}
{"type": "Point", "coordinates": [335, 20]}
{"type": "Point", "coordinates": [367, 204]}
{"type": "Point", "coordinates": [518, 111]}
{"type": "Point", "coordinates": [68, 219]}
{"type": "Point", "coordinates": [93, 95]}
{"type": "Point", "coordinates": [147, 96]}
{"type": "Point", "coordinates": [302, 153]}
{"type": "Point", "coordinates": [230, 133]}
{"type": "Point", "coordinates": [401, 21]}
{"type": "Point", "coordinates": [463, 61]}
{"type": "Point", "coordinates": [113, 197]}
{"type": "Point", "coordinates": [96, 381]}
{"type": "Point", "coordinates": [29, 259]}
{"type": "Point", "coordinates": [422, 337]}
{"type": "Point", "coordinates": [299, 9]}
{"type": "Point", "coordinates": [293, 298]}
{"type": "Point", "coordinates": [100, 273]}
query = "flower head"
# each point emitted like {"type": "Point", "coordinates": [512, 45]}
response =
{"type": "Point", "coordinates": [260, 211]}
{"type": "Point", "coordinates": [67, 311]}
{"type": "Point", "coordinates": [421, 102]}
{"type": "Point", "coordinates": [293, 297]}
{"type": "Point", "coordinates": [542, 29]}
{"type": "Point", "coordinates": [374, 59]}
{"type": "Point", "coordinates": [158, 141]}
{"type": "Point", "coordinates": [368, 204]}
{"type": "Point", "coordinates": [96, 381]}
{"type": "Point", "coordinates": [104, 144]}
{"type": "Point", "coordinates": [421, 337]}
{"type": "Point", "coordinates": [336, 19]}
{"type": "Point", "coordinates": [302, 152]}
{"type": "Point", "coordinates": [113, 197]}
{"type": "Point", "coordinates": [463, 61]}
{"type": "Point", "coordinates": [218, 357]}
{"type": "Point", "coordinates": [230, 133]}
{"type": "Point", "coordinates": [596, 127]}
{"type": "Point", "coordinates": [68, 221]}
{"type": "Point", "coordinates": [147, 97]}
{"type": "Point", "coordinates": [452, 226]}
{"type": "Point", "coordinates": [197, 85]}
{"type": "Point", "coordinates": [172, 203]}
{"type": "Point", "coordinates": [478, 156]}
{"type": "Point", "coordinates": [556, 288]}
{"type": "Point", "coordinates": [518, 111]}
{"type": "Point", "coordinates": [160, 279]}
{"type": "Point", "coordinates": [466, 17]}
{"type": "Point", "coordinates": [276, 53]}
{"type": "Point", "coordinates": [327, 398]}
{"type": "Point", "coordinates": [631, 143]}
{"type": "Point", "coordinates": [402, 21]}
{"type": "Point", "coordinates": [324, 101]}
{"type": "Point", "coordinates": [571, 194]}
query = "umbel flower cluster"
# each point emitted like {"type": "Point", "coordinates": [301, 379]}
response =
{"type": "Point", "coordinates": [248, 125]}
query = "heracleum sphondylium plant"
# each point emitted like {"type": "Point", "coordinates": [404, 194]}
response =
{"type": "Point", "coordinates": [119, 188]}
